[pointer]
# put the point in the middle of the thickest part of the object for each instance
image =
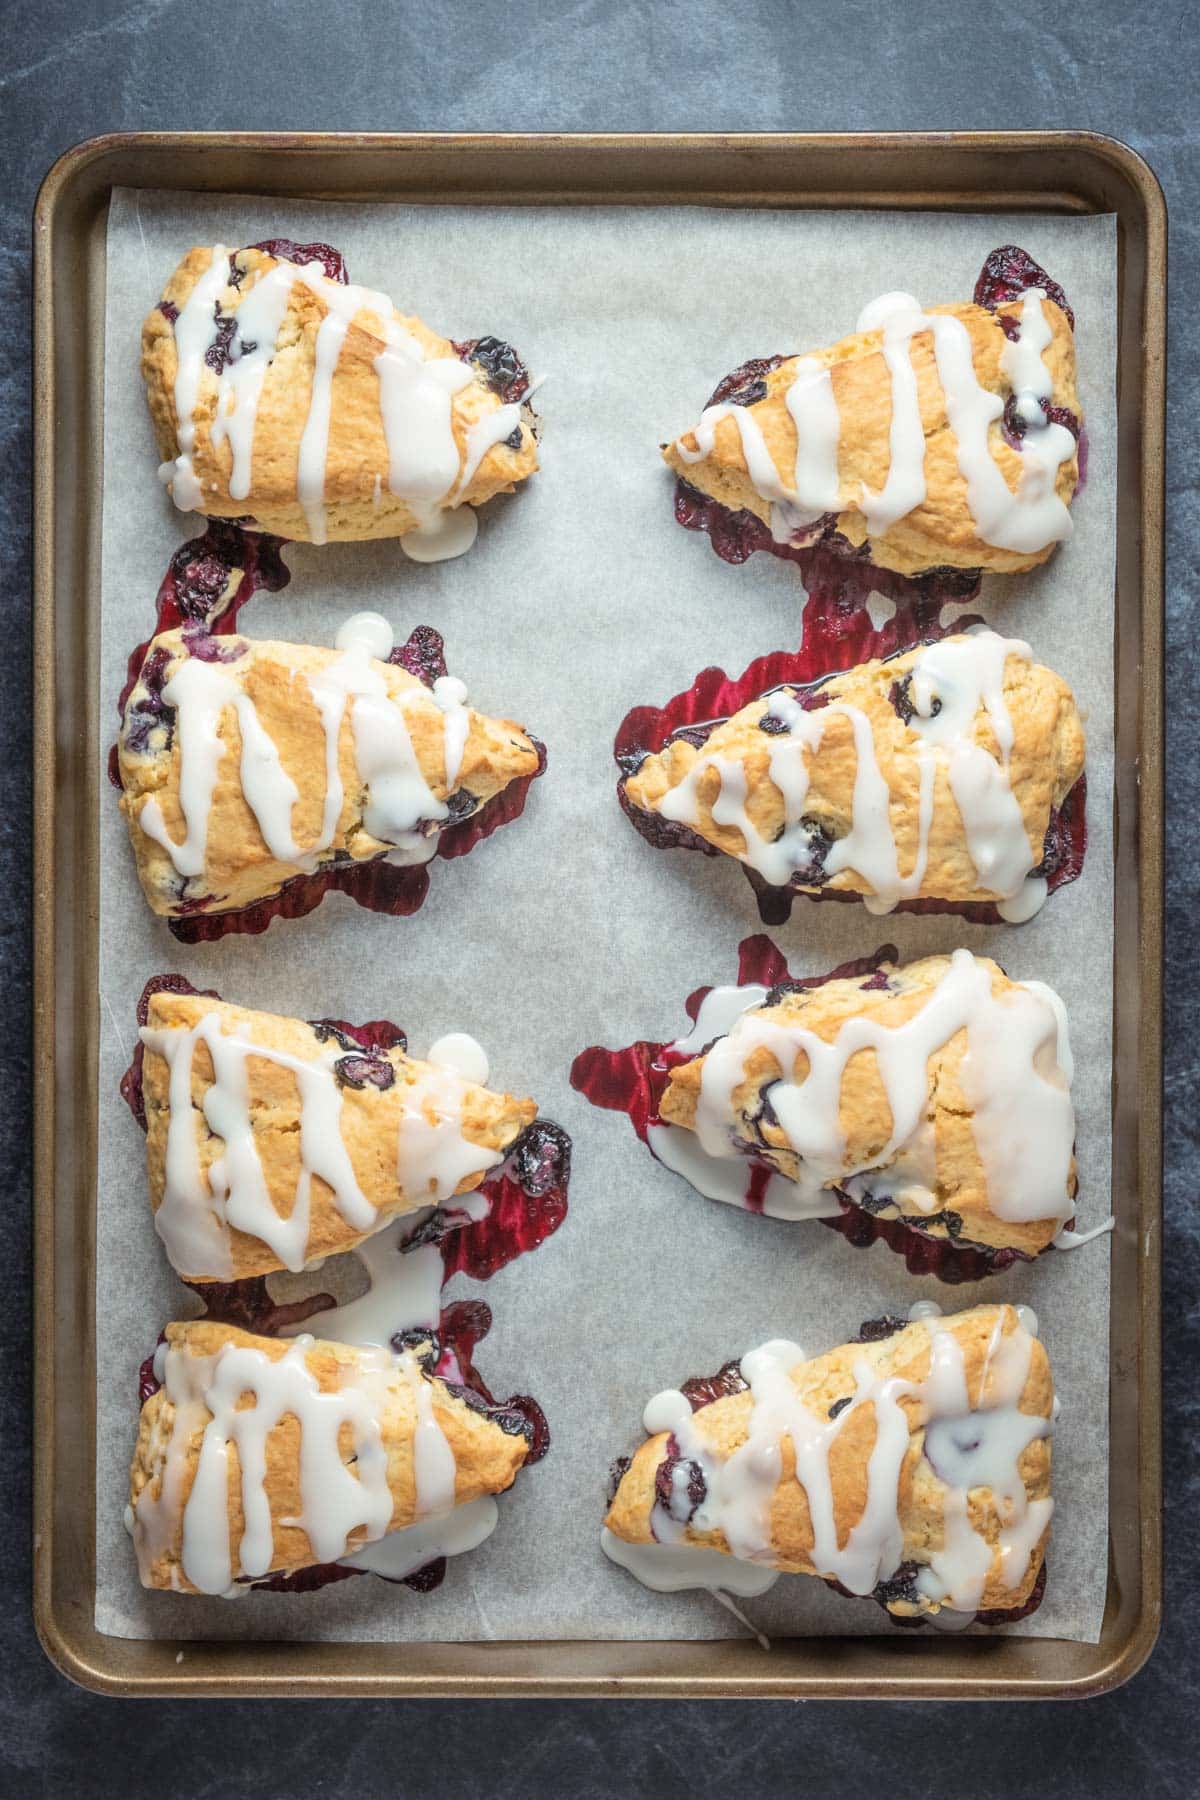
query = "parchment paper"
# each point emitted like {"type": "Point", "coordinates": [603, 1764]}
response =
{"type": "Point", "coordinates": [581, 598]}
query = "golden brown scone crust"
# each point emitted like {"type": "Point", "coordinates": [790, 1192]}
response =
{"type": "Point", "coordinates": [864, 1114]}
{"type": "Point", "coordinates": [1045, 762]}
{"type": "Point", "coordinates": [487, 1458]}
{"type": "Point", "coordinates": [358, 452]}
{"type": "Point", "coordinates": [941, 531]}
{"type": "Point", "coordinates": [370, 1126]}
{"type": "Point", "coordinates": [239, 868]}
{"type": "Point", "coordinates": [820, 1383]}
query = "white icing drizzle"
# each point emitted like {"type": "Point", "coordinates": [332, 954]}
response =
{"type": "Point", "coordinates": [1074, 1240]}
{"type": "Point", "coordinates": [401, 1553]}
{"type": "Point", "coordinates": [729, 1180]}
{"type": "Point", "coordinates": [198, 691]}
{"type": "Point", "coordinates": [195, 332]}
{"type": "Point", "coordinates": [967, 1448]}
{"type": "Point", "coordinates": [720, 1009]}
{"type": "Point", "coordinates": [1023, 522]}
{"type": "Point", "coordinates": [1011, 1076]}
{"type": "Point", "coordinates": [814, 487]}
{"type": "Point", "coordinates": [239, 385]}
{"type": "Point", "coordinates": [405, 1288]}
{"type": "Point", "coordinates": [426, 469]}
{"type": "Point", "coordinates": [199, 1208]}
{"type": "Point", "coordinates": [904, 488]}
{"type": "Point", "coordinates": [433, 1154]}
{"type": "Point", "coordinates": [950, 682]}
{"type": "Point", "coordinates": [674, 1568]}
{"type": "Point", "coordinates": [336, 1498]}
{"type": "Point", "coordinates": [434, 1468]}
{"type": "Point", "coordinates": [483, 435]}
{"type": "Point", "coordinates": [313, 454]}
{"type": "Point", "coordinates": [462, 1055]}
{"type": "Point", "coordinates": [450, 696]}
{"type": "Point", "coordinates": [399, 798]}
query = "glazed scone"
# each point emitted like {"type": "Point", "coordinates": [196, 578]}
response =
{"type": "Point", "coordinates": [316, 410]}
{"type": "Point", "coordinates": [246, 763]}
{"type": "Point", "coordinates": [337, 1447]}
{"type": "Point", "coordinates": [914, 1468]}
{"type": "Point", "coordinates": [937, 1092]}
{"type": "Point", "coordinates": [943, 437]}
{"type": "Point", "coordinates": [271, 1143]}
{"type": "Point", "coordinates": [930, 775]}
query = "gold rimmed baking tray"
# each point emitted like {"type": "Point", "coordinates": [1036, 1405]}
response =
{"type": "Point", "coordinates": [1058, 172]}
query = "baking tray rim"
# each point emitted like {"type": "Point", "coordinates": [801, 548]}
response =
{"type": "Point", "coordinates": [656, 169]}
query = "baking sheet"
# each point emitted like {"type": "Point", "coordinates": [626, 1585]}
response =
{"type": "Point", "coordinates": [581, 598]}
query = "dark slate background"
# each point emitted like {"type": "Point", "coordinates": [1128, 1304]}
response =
{"type": "Point", "coordinates": [74, 68]}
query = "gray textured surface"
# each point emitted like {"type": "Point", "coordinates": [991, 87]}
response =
{"type": "Point", "coordinates": [76, 70]}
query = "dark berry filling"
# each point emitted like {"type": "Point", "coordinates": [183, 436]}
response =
{"type": "Point", "coordinates": [220, 351]}
{"type": "Point", "coordinates": [900, 696]}
{"type": "Point", "coordinates": [380, 1034]}
{"type": "Point", "coordinates": [169, 311]}
{"type": "Point", "coordinates": [1006, 274]}
{"type": "Point", "coordinates": [747, 385]}
{"type": "Point", "coordinates": [332, 261]}
{"type": "Point", "coordinates": [151, 711]}
{"type": "Point", "coordinates": [617, 1471]}
{"type": "Point", "coordinates": [902, 1589]}
{"type": "Point", "coordinates": [952, 1259]}
{"type": "Point", "coordinates": [1015, 427]}
{"type": "Point", "coordinates": [365, 1071]}
{"type": "Point", "coordinates": [499, 368]}
{"type": "Point", "coordinates": [875, 1331]}
{"type": "Point", "coordinates": [679, 1485]}
{"type": "Point", "coordinates": [702, 1390]}
{"type": "Point", "coordinates": [735, 536]}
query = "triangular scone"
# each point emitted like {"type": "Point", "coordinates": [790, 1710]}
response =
{"type": "Point", "coordinates": [937, 1092]}
{"type": "Point", "coordinates": [271, 1143]}
{"type": "Point", "coordinates": [245, 763]}
{"type": "Point", "coordinates": [259, 1456]}
{"type": "Point", "coordinates": [970, 742]}
{"type": "Point", "coordinates": [316, 410]}
{"type": "Point", "coordinates": [943, 437]}
{"type": "Point", "coordinates": [915, 1467]}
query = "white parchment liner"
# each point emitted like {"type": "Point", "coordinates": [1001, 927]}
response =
{"type": "Point", "coordinates": [581, 598]}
